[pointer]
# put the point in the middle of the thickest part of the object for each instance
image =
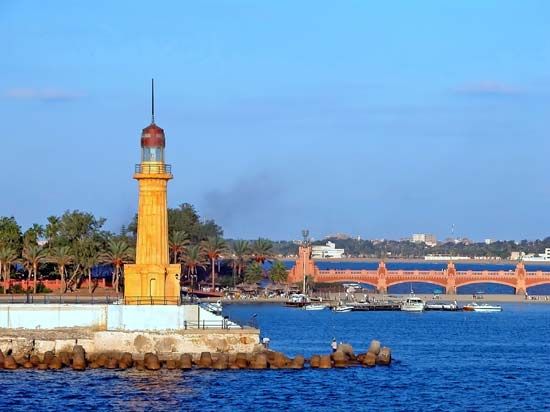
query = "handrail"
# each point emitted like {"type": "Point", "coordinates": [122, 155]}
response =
{"type": "Point", "coordinates": [153, 168]}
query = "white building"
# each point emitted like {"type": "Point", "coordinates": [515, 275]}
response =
{"type": "Point", "coordinates": [328, 251]}
{"type": "Point", "coordinates": [543, 257]}
{"type": "Point", "coordinates": [426, 238]}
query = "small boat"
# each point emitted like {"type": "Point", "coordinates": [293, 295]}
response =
{"type": "Point", "coordinates": [314, 306]}
{"type": "Point", "coordinates": [342, 309]}
{"type": "Point", "coordinates": [215, 308]}
{"type": "Point", "coordinates": [413, 304]}
{"type": "Point", "coordinates": [449, 307]}
{"type": "Point", "coordinates": [297, 300]}
{"type": "Point", "coordinates": [474, 307]}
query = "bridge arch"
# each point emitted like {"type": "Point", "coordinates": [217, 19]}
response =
{"type": "Point", "coordinates": [425, 281]}
{"type": "Point", "coordinates": [466, 287]}
{"type": "Point", "coordinates": [538, 283]}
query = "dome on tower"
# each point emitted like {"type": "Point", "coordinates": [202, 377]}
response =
{"type": "Point", "coordinates": [152, 136]}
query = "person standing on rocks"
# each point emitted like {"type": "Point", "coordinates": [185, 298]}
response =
{"type": "Point", "coordinates": [334, 345]}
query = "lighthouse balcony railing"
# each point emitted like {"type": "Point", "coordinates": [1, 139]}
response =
{"type": "Point", "coordinates": [153, 168]}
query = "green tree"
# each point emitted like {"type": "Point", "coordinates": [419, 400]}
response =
{"type": "Point", "coordinates": [61, 256]}
{"type": "Point", "coordinates": [278, 272]}
{"type": "Point", "coordinates": [33, 257]}
{"type": "Point", "coordinates": [186, 219]}
{"type": "Point", "coordinates": [213, 247]}
{"type": "Point", "coordinates": [118, 253]}
{"type": "Point", "coordinates": [241, 251]}
{"type": "Point", "coordinates": [262, 250]}
{"type": "Point", "coordinates": [10, 233]}
{"type": "Point", "coordinates": [193, 259]}
{"type": "Point", "coordinates": [74, 225]}
{"type": "Point", "coordinates": [177, 244]}
{"type": "Point", "coordinates": [253, 273]}
{"type": "Point", "coordinates": [8, 255]}
{"type": "Point", "coordinates": [33, 234]}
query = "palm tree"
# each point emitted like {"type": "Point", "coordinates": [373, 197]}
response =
{"type": "Point", "coordinates": [254, 273]}
{"type": "Point", "coordinates": [262, 250]}
{"type": "Point", "coordinates": [241, 250]}
{"type": "Point", "coordinates": [89, 262]}
{"type": "Point", "coordinates": [179, 240]}
{"type": "Point", "coordinates": [192, 260]}
{"type": "Point", "coordinates": [61, 256]}
{"type": "Point", "coordinates": [8, 255]}
{"type": "Point", "coordinates": [213, 247]}
{"type": "Point", "coordinates": [278, 272]}
{"type": "Point", "coordinates": [33, 256]}
{"type": "Point", "coordinates": [118, 253]}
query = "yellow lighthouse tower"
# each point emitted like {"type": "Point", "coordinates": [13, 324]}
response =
{"type": "Point", "coordinates": [152, 279]}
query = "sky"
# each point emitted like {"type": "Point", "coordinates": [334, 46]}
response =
{"type": "Point", "coordinates": [372, 118]}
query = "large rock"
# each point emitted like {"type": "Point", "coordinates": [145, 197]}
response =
{"type": "Point", "coordinates": [384, 357]}
{"type": "Point", "coordinates": [79, 362]}
{"type": "Point", "coordinates": [55, 363]}
{"type": "Point", "coordinates": [205, 360]}
{"type": "Point", "coordinates": [48, 356]}
{"type": "Point", "coordinates": [369, 359]}
{"type": "Point", "coordinates": [112, 363]}
{"type": "Point", "coordinates": [127, 360]}
{"type": "Point", "coordinates": [241, 361]}
{"type": "Point", "coordinates": [374, 347]}
{"type": "Point", "coordinates": [340, 359]}
{"type": "Point", "coordinates": [35, 360]}
{"type": "Point", "coordinates": [151, 362]}
{"type": "Point", "coordinates": [277, 360]}
{"type": "Point", "coordinates": [102, 360]}
{"type": "Point", "coordinates": [221, 363]}
{"type": "Point", "coordinates": [10, 363]}
{"type": "Point", "coordinates": [298, 362]}
{"type": "Point", "coordinates": [259, 361]}
{"type": "Point", "coordinates": [186, 361]}
{"type": "Point", "coordinates": [79, 349]}
{"type": "Point", "coordinates": [325, 362]}
{"type": "Point", "coordinates": [347, 349]}
{"type": "Point", "coordinates": [64, 358]}
{"type": "Point", "coordinates": [314, 361]}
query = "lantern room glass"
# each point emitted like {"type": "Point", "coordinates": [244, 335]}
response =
{"type": "Point", "coordinates": [152, 154]}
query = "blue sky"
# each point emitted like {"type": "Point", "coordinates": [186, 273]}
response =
{"type": "Point", "coordinates": [378, 119]}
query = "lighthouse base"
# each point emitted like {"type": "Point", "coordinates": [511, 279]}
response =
{"type": "Point", "coordinates": [152, 284]}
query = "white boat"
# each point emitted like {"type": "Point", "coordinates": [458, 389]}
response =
{"type": "Point", "coordinates": [342, 309]}
{"type": "Point", "coordinates": [314, 306]}
{"type": "Point", "coordinates": [474, 307]}
{"type": "Point", "coordinates": [413, 304]}
{"type": "Point", "coordinates": [441, 306]}
{"type": "Point", "coordinates": [215, 308]}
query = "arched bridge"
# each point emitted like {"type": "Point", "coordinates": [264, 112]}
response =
{"type": "Point", "coordinates": [448, 278]}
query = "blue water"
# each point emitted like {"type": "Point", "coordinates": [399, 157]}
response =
{"type": "Point", "coordinates": [442, 362]}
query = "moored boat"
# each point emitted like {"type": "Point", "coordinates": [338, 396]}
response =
{"type": "Point", "coordinates": [413, 304]}
{"type": "Point", "coordinates": [448, 307]}
{"type": "Point", "coordinates": [314, 306]}
{"type": "Point", "coordinates": [474, 307]}
{"type": "Point", "coordinates": [342, 309]}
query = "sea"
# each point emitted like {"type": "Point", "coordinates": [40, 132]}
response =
{"type": "Point", "coordinates": [442, 361]}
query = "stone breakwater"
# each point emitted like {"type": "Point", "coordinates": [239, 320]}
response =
{"type": "Point", "coordinates": [78, 360]}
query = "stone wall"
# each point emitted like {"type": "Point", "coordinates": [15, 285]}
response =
{"type": "Point", "coordinates": [167, 344]}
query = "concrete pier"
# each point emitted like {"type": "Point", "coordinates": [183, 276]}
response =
{"type": "Point", "coordinates": [121, 328]}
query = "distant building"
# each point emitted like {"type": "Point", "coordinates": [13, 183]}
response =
{"type": "Point", "coordinates": [426, 238]}
{"type": "Point", "coordinates": [489, 241]}
{"type": "Point", "coordinates": [531, 257]}
{"type": "Point", "coordinates": [328, 251]}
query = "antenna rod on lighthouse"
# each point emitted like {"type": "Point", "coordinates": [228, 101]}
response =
{"type": "Point", "coordinates": [153, 101]}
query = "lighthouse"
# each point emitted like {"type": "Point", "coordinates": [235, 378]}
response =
{"type": "Point", "coordinates": [152, 279]}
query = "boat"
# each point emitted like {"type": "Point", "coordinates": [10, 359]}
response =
{"type": "Point", "coordinates": [215, 308]}
{"type": "Point", "coordinates": [474, 307]}
{"type": "Point", "coordinates": [450, 307]}
{"type": "Point", "coordinates": [314, 306]}
{"type": "Point", "coordinates": [413, 304]}
{"type": "Point", "coordinates": [297, 300]}
{"type": "Point", "coordinates": [342, 309]}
